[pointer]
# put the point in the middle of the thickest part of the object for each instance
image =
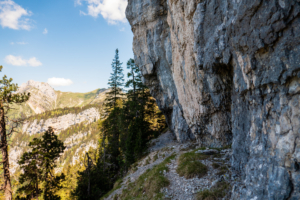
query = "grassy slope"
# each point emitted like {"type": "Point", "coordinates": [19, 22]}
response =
{"type": "Point", "coordinates": [66, 159]}
{"type": "Point", "coordinates": [69, 99]}
{"type": "Point", "coordinates": [64, 99]}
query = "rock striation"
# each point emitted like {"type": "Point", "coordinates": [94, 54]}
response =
{"type": "Point", "coordinates": [227, 72]}
{"type": "Point", "coordinates": [61, 123]}
{"type": "Point", "coordinates": [77, 143]}
{"type": "Point", "coordinates": [43, 96]}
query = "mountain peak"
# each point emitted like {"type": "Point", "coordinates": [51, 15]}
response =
{"type": "Point", "coordinates": [35, 84]}
{"type": "Point", "coordinates": [45, 88]}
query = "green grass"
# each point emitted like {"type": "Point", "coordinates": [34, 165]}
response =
{"type": "Point", "coordinates": [215, 165]}
{"type": "Point", "coordinates": [189, 165]}
{"type": "Point", "coordinates": [117, 185]}
{"type": "Point", "coordinates": [218, 191]}
{"type": "Point", "coordinates": [222, 171]}
{"type": "Point", "coordinates": [64, 99]}
{"type": "Point", "coordinates": [155, 157]}
{"type": "Point", "coordinates": [148, 185]}
{"type": "Point", "coordinates": [70, 99]}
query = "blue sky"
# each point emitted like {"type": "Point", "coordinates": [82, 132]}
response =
{"type": "Point", "coordinates": [68, 43]}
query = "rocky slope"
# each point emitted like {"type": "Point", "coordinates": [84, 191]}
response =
{"type": "Point", "coordinates": [60, 123]}
{"type": "Point", "coordinates": [228, 73]}
{"type": "Point", "coordinates": [179, 187]}
{"type": "Point", "coordinates": [77, 140]}
{"type": "Point", "coordinates": [74, 117]}
{"type": "Point", "coordinates": [44, 97]}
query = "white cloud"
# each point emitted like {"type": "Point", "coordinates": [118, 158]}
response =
{"type": "Point", "coordinates": [12, 16]}
{"type": "Point", "coordinates": [15, 60]}
{"type": "Point", "coordinates": [19, 61]}
{"type": "Point", "coordinates": [34, 62]}
{"type": "Point", "coordinates": [122, 29]}
{"type": "Point", "coordinates": [111, 10]}
{"type": "Point", "coordinates": [45, 31]}
{"type": "Point", "coordinates": [59, 81]}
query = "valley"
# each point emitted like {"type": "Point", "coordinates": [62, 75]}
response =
{"type": "Point", "coordinates": [73, 116]}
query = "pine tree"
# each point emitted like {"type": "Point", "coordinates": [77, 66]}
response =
{"type": "Point", "coordinates": [38, 167]}
{"type": "Point", "coordinates": [7, 97]}
{"type": "Point", "coordinates": [115, 83]}
{"type": "Point", "coordinates": [32, 174]}
{"type": "Point", "coordinates": [111, 126]}
{"type": "Point", "coordinates": [134, 80]}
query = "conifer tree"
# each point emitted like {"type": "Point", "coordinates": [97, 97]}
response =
{"type": "Point", "coordinates": [134, 116]}
{"type": "Point", "coordinates": [7, 97]}
{"type": "Point", "coordinates": [134, 80]}
{"type": "Point", "coordinates": [111, 126]}
{"type": "Point", "coordinates": [38, 167]}
{"type": "Point", "coordinates": [115, 83]}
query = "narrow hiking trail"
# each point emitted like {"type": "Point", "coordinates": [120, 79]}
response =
{"type": "Point", "coordinates": [180, 188]}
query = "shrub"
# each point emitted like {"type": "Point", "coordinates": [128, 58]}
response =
{"type": "Point", "coordinates": [148, 185]}
{"type": "Point", "coordinates": [189, 165]}
{"type": "Point", "coordinates": [218, 191]}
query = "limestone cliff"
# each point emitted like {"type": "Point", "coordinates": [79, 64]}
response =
{"type": "Point", "coordinates": [44, 98]}
{"type": "Point", "coordinates": [77, 131]}
{"type": "Point", "coordinates": [228, 72]}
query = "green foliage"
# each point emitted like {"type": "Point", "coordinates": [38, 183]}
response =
{"type": "Point", "coordinates": [99, 183]}
{"type": "Point", "coordinates": [215, 165]}
{"type": "Point", "coordinates": [189, 165]}
{"type": "Point", "coordinates": [148, 185]}
{"type": "Point", "coordinates": [8, 89]}
{"type": "Point", "coordinates": [8, 96]}
{"type": "Point", "coordinates": [117, 185]}
{"type": "Point", "coordinates": [125, 132]}
{"type": "Point", "coordinates": [60, 112]}
{"type": "Point", "coordinates": [115, 83]}
{"type": "Point", "coordinates": [219, 191]}
{"type": "Point", "coordinates": [38, 167]}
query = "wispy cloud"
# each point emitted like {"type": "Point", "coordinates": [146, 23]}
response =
{"type": "Point", "coordinates": [45, 31]}
{"type": "Point", "coordinates": [111, 10]}
{"type": "Point", "coordinates": [19, 43]}
{"type": "Point", "coordinates": [19, 61]}
{"type": "Point", "coordinates": [59, 81]}
{"type": "Point", "coordinates": [13, 16]}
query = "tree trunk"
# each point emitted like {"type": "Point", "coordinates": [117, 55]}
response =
{"type": "Point", "coordinates": [5, 160]}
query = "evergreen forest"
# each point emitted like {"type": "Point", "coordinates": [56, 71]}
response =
{"type": "Point", "coordinates": [55, 165]}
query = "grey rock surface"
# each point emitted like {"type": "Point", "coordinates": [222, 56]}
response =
{"type": "Point", "coordinates": [208, 151]}
{"type": "Point", "coordinates": [228, 72]}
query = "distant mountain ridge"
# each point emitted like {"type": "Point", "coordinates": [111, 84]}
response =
{"type": "Point", "coordinates": [44, 98]}
{"type": "Point", "coordinates": [74, 117]}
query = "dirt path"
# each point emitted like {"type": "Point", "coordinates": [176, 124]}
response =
{"type": "Point", "coordinates": [180, 188]}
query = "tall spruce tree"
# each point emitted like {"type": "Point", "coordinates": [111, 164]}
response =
{"type": "Point", "coordinates": [115, 83]}
{"type": "Point", "coordinates": [134, 80]}
{"type": "Point", "coordinates": [38, 167]}
{"type": "Point", "coordinates": [7, 97]}
{"type": "Point", "coordinates": [111, 126]}
{"type": "Point", "coordinates": [133, 116]}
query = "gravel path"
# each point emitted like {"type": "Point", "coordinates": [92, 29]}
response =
{"type": "Point", "coordinates": [164, 146]}
{"type": "Point", "coordinates": [180, 188]}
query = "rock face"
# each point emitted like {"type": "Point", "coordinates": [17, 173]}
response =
{"type": "Point", "coordinates": [43, 96]}
{"type": "Point", "coordinates": [62, 122]}
{"type": "Point", "coordinates": [79, 140]}
{"type": "Point", "coordinates": [228, 72]}
{"type": "Point", "coordinates": [44, 88]}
